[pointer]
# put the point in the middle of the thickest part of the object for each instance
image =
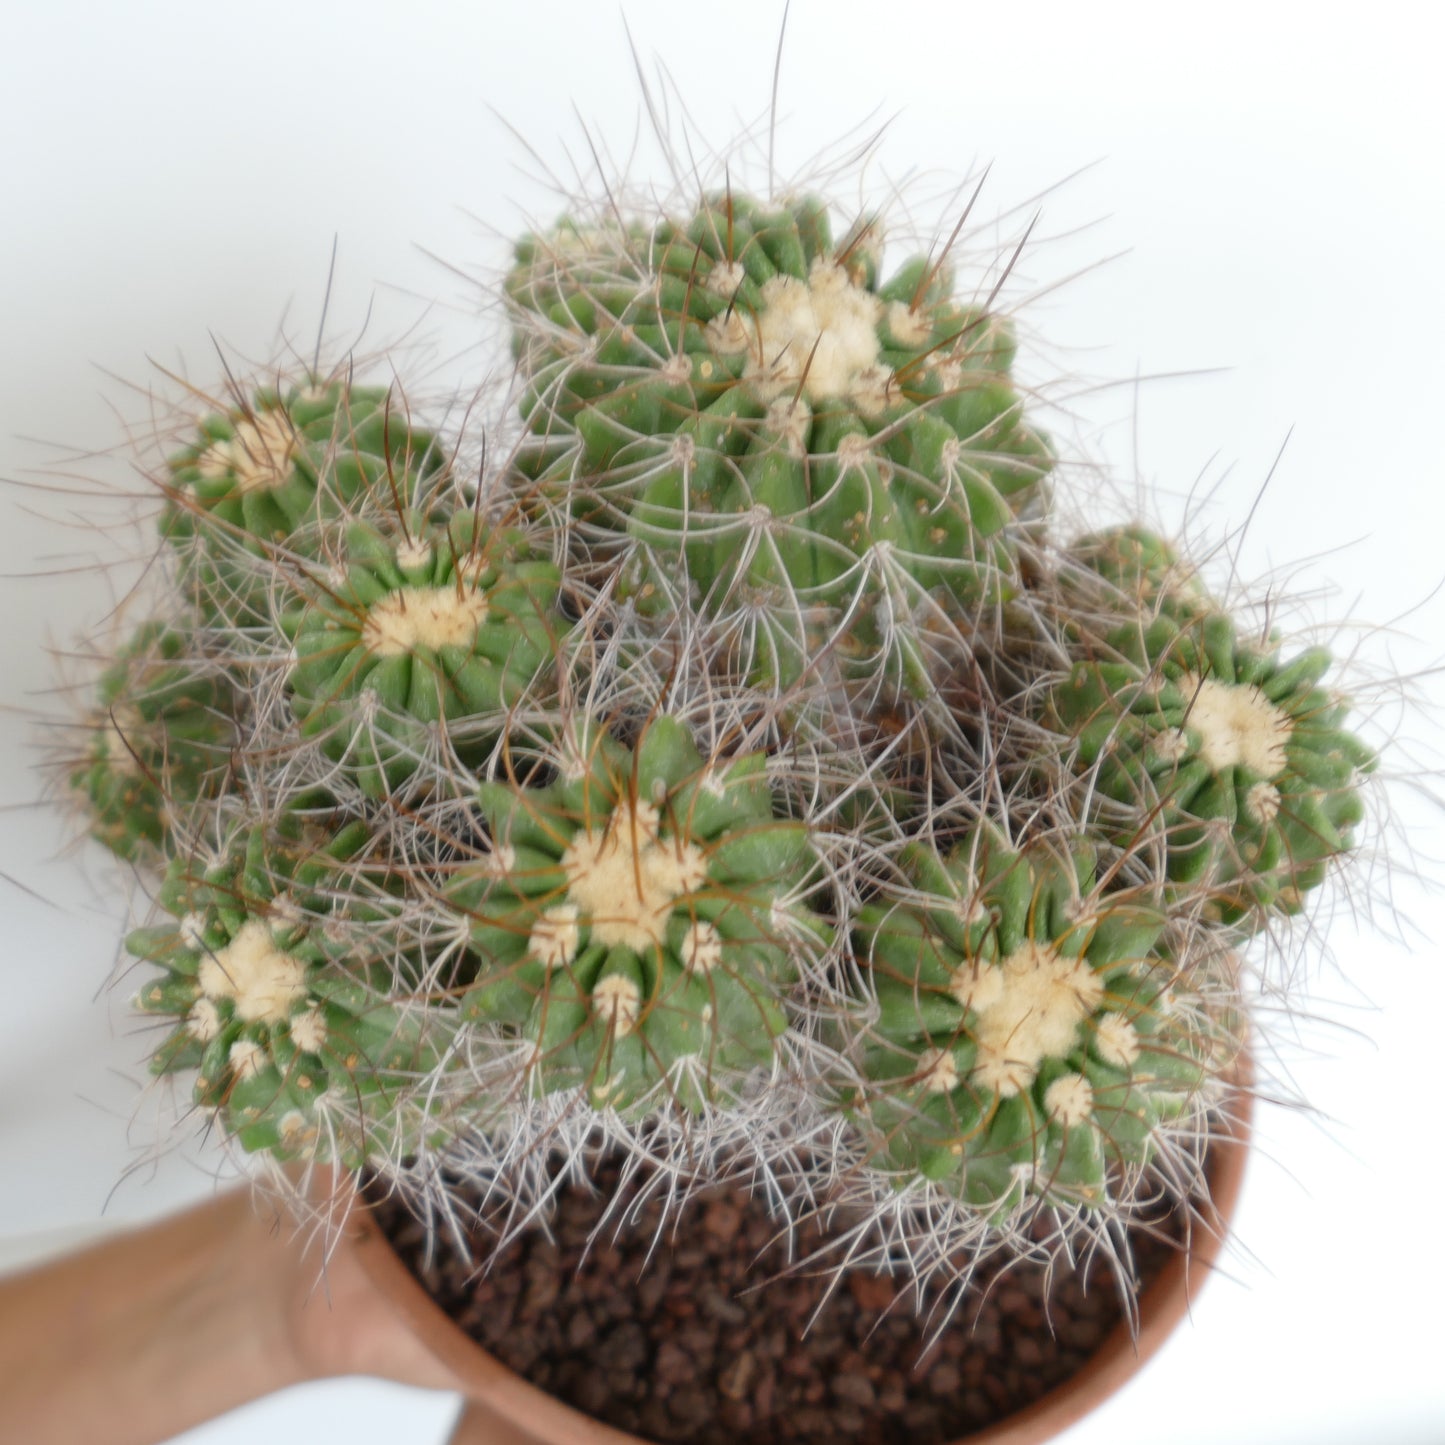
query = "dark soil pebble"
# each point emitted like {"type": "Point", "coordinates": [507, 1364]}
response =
{"type": "Point", "coordinates": [682, 1347]}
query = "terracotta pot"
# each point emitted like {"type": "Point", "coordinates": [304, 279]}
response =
{"type": "Point", "coordinates": [504, 1409]}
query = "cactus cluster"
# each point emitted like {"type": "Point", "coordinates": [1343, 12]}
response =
{"type": "Point", "coordinates": [743, 770]}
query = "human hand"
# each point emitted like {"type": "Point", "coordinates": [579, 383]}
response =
{"type": "Point", "coordinates": [154, 1331]}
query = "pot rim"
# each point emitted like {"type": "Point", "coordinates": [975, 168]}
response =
{"type": "Point", "coordinates": [504, 1399]}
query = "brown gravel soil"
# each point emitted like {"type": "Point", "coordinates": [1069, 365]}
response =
{"type": "Point", "coordinates": [684, 1347]}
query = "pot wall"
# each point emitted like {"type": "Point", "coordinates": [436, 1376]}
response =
{"type": "Point", "coordinates": [503, 1409]}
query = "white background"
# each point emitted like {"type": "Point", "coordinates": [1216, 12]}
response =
{"type": "Point", "coordinates": [170, 172]}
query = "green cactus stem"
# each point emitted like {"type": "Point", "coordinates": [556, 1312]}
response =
{"type": "Point", "coordinates": [637, 919]}
{"type": "Point", "coordinates": [823, 452]}
{"type": "Point", "coordinates": [306, 1041]}
{"type": "Point", "coordinates": [163, 728]}
{"type": "Point", "coordinates": [1031, 1035]}
{"type": "Point", "coordinates": [1241, 757]}
{"type": "Point", "coordinates": [257, 476]}
{"type": "Point", "coordinates": [441, 628]}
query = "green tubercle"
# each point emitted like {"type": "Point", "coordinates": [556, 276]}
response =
{"type": "Point", "coordinates": [636, 918]}
{"type": "Point", "coordinates": [280, 1007]}
{"type": "Point", "coordinates": [827, 454]}
{"type": "Point", "coordinates": [1028, 1040]}
{"type": "Point", "coordinates": [1241, 757]}
{"type": "Point", "coordinates": [431, 629]}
